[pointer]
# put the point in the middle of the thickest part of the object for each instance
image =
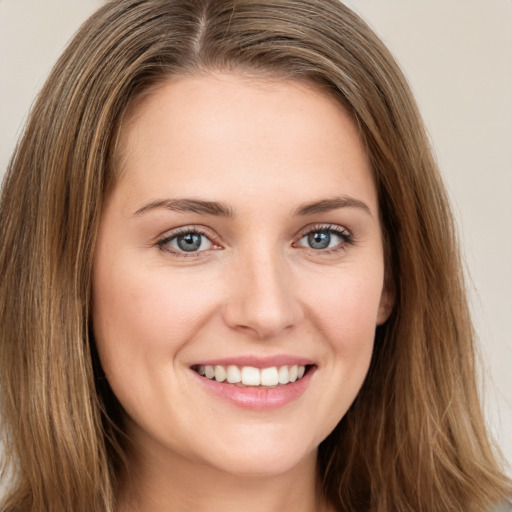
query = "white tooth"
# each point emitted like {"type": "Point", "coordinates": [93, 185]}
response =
{"type": "Point", "coordinates": [220, 374]}
{"type": "Point", "coordinates": [251, 376]}
{"type": "Point", "coordinates": [233, 374]}
{"type": "Point", "coordinates": [269, 376]}
{"type": "Point", "coordinates": [301, 371]}
{"type": "Point", "coordinates": [283, 375]}
{"type": "Point", "coordinates": [209, 372]}
{"type": "Point", "coordinates": [200, 370]}
{"type": "Point", "coordinates": [293, 373]}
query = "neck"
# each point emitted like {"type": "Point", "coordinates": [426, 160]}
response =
{"type": "Point", "coordinates": [173, 483]}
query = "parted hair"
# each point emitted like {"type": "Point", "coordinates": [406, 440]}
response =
{"type": "Point", "coordinates": [413, 440]}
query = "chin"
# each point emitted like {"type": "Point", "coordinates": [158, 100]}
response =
{"type": "Point", "coordinates": [263, 465]}
{"type": "Point", "coordinates": [263, 455]}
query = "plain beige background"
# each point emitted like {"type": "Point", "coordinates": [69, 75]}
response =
{"type": "Point", "coordinates": [457, 55]}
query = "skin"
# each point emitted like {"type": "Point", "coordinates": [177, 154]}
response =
{"type": "Point", "coordinates": [263, 148]}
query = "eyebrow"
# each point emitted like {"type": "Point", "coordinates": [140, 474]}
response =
{"type": "Point", "coordinates": [220, 209]}
{"type": "Point", "coordinates": [327, 205]}
{"type": "Point", "coordinates": [189, 205]}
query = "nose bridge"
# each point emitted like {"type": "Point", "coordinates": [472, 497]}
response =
{"type": "Point", "coordinates": [263, 300]}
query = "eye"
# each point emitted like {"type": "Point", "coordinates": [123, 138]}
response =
{"type": "Point", "coordinates": [328, 238]}
{"type": "Point", "coordinates": [190, 241]}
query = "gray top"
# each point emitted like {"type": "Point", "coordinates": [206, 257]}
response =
{"type": "Point", "coordinates": [505, 507]}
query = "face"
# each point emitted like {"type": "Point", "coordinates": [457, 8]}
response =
{"type": "Point", "coordinates": [238, 276]}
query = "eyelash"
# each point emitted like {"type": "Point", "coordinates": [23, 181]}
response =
{"type": "Point", "coordinates": [163, 244]}
{"type": "Point", "coordinates": [345, 236]}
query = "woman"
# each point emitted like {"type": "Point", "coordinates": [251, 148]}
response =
{"type": "Point", "coordinates": [243, 288]}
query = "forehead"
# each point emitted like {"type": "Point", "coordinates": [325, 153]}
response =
{"type": "Point", "coordinates": [249, 131]}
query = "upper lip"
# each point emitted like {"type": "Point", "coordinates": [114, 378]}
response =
{"type": "Point", "coordinates": [257, 361]}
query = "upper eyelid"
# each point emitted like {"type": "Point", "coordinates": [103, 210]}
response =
{"type": "Point", "coordinates": [208, 232]}
{"type": "Point", "coordinates": [183, 230]}
{"type": "Point", "coordinates": [322, 227]}
{"type": "Point", "coordinates": [214, 238]}
{"type": "Point", "coordinates": [163, 244]}
{"type": "Point", "coordinates": [162, 241]}
{"type": "Point", "coordinates": [345, 235]}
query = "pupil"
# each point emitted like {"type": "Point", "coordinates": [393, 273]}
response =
{"type": "Point", "coordinates": [319, 239]}
{"type": "Point", "coordinates": [189, 242]}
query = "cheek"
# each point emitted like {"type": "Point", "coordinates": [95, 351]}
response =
{"type": "Point", "coordinates": [142, 320]}
{"type": "Point", "coordinates": [346, 311]}
{"type": "Point", "coordinates": [346, 317]}
{"type": "Point", "coordinates": [141, 314]}
{"type": "Point", "coordinates": [146, 310]}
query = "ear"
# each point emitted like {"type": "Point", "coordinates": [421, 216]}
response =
{"type": "Point", "coordinates": [387, 300]}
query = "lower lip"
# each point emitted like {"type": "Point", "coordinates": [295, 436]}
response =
{"type": "Point", "coordinates": [258, 398]}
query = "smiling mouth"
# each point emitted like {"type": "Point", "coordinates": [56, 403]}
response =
{"type": "Point", "coordinates": [249, 376]}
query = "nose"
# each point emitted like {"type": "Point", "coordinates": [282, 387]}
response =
{"type": "Point", "coordinates": [263, 300]}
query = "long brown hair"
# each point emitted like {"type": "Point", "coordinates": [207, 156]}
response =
{"type": "Point", "coordinates": [415, 437]}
